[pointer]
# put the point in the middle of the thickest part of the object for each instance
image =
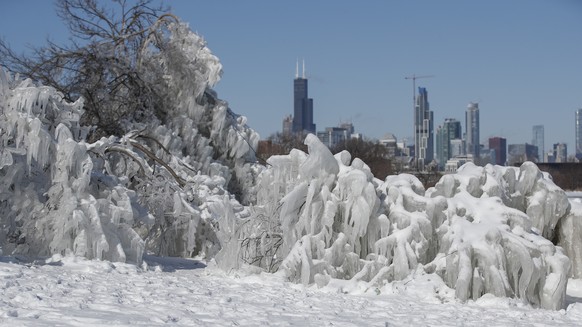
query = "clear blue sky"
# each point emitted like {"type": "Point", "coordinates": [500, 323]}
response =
{"type": "Point", "coordinates": [520, 59]}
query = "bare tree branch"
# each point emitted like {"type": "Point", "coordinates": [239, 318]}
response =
{"type": "Point", "coordinates": [103, 64]}
{"type": "Point", "coordinates": [152, 156]}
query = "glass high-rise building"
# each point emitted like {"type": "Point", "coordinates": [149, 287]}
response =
{"type": "Point", "coordinates": [538, 140]}
{"type": "Point", "coordinates": [450, 130]}
{"type": "Point", "coordinates": [499, 145]}
{"type": "Point", "coordinates": [302, 105]}
{"type": "Point", "coordinates": [472, 130]}
{"type": "Point", "coordinates": [560, 151]}
{"type": "Point", "coordinates": [423, 130]}
{"type": "Point", "coordinates": [457, 147]}
{"type": "Point", "coordinates": [578, 121]}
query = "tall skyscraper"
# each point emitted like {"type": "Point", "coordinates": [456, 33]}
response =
{"type": "Point", "coordinates": [578, 122]}
{"type": "Point", "coordinates": [423, 130]}
{"type": "Point", "coordinates": [302, 104]}
{"type": "Point", "coordinates": [538, 140]}
{"type": "Point", "coordinates": [472, 130]}
{"type": "Point", "coordinates": [450, 130]}
{"type": "Point", "coordinates": [499, 145]}
{"type": "Point", "coordinates": [560, 151]}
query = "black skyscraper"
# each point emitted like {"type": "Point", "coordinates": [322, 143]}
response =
{"type": "Point", "coordinates": [302, 105]}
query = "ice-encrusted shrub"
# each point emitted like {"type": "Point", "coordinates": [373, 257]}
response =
{"type": "Point", "coordinates": [482, 229]}
{"type": "Point", "coordinates": [569, 237]}
{"type": "Point", "coordinates": [338, 221]}
{"type": "Point", "coordinates": [487, 246]}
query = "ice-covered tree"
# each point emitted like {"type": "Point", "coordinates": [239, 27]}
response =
{"type": "Point", "coordinates": [103, 63]}
{"type": "Point", "coordinates": [160, 180]}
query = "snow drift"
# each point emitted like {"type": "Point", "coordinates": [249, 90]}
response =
{"type": "Point", "coordinates": [189, 184]}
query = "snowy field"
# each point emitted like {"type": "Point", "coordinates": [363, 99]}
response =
{"type": "Point", "coordinates": [79, 292]}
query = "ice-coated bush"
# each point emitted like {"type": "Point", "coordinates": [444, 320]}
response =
{"type": "Point", "coordinates": [570, 237]}
{"type": "Point", "coordinates": [490, 247]}
{"type": "Point", "coordinates": [482, 230]}
{"type": "Point", "coordinates": [337, 221]}
{"type": "Point", "coordinates": [163, 187]}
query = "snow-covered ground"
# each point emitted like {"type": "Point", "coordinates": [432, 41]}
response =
{"type": "Point", "coordinates": [78, 292]}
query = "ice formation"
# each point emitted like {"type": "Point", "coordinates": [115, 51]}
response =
{"type": "Point", "coordinates": [189, 184]}
{"type": "Point", "coordinates": [491, 242]}
{"type": "Point", "coordinates": [163, 187]}
{"type": "Point", "coordinates": [481, 230]}
{"type": "Point", "coordinates": [570, 237]}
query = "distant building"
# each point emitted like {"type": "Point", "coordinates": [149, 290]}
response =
{"type": "Point", "coordinates": [487, 156]}
{"type": "Point", "coordinates": [348, 127]}
{"type": "Point", "coordinates": [332, 136]}
{"type": "Point", "coordinates": [538, 140]}
{"type": "Point", "coordinates": [391, 143]}
{"type": "Point", "coordinates": [457, 148]}
{"type": "Point", "coordinates": [472, 130]}
{"type": "Point", "coordinates": [288, 125]}
{"type": "Point", "coordinates": [302, 104]}
{"type": "Point", "coordinates": [454, 163]}
{"type": "Point", "coordinates": [578, 122]}
{"type": "Point", "coordinates": [560, 152]}
{"type": "Point", "coordinates": [403, 149]}
{"type": "Point", "coordinates": [423, 130]}
{"type": "Point", "coordinates": [411, 152]}
{"type": "Point", "coordinates": [499, 145]}
{"type": "Point", "coordinates": [518, 153]}
{"type": "Point", "coordinates": [450, 130]}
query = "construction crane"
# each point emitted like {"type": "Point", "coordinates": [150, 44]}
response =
{"type": "Point", "coordinates": [414, 77]}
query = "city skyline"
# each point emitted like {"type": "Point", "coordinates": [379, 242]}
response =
{"type": "Point", "coordinates": [518, 59]}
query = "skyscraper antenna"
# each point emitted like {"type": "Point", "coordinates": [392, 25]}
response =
{"type": "Point", "coordinates": [303, 68]}
{"type": "Point", "coordinates": [297, 68]}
